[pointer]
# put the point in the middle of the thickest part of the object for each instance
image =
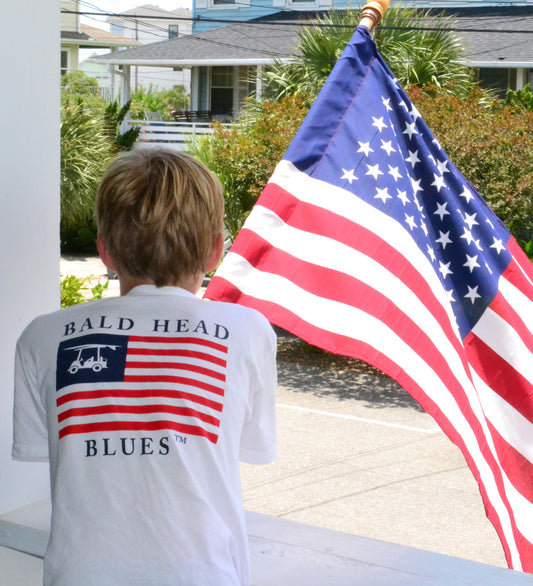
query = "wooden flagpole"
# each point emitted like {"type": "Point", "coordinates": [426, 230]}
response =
{"type": "Point", "coordinates": [373, 12]}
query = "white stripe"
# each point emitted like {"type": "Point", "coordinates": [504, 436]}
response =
{"type": "Point", "coordinates": [505, 341]}
{"type": "Point", "coordinates": [142, 401]}
{"type": "Point", "coordinates": [173, 362]}
{"type": "Point", "coordinates": [518, 301]}
{"type": "Point", "coordinates": [189, 347]}
{"type": "Point", "coordinates": [514, 428]}
{"type": "Point", "coordinates": [360, 419]}
{"type": "Point", "coordinates": [138, 417]}
{"type": "Point", "coordinates": [505, 421]}
{"type": "Point", "coordinates": [150, 374]}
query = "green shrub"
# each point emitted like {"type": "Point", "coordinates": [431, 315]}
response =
{"type": "Point", "coordinates": [522, 98]}
{"type": "Point", "coordinates": [85, 152]}
{"type": "Point", "coordinates": [75, 290]}
{"type": "Point", "coordinates": [78, 83]}
{"type": "Point", "coordinates": [113, 116]}
{"type": "Point", "coordinates": [244, 156]}
{"type": "Point", "coordinates": [492, 146]}
{"type": "Point", "coordinates": [154, 100]}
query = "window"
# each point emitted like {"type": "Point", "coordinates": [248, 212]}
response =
{"type": "Point", "coordinates": [222, 91]}
{"type": "Point", "coordinates": [173, 30]}
{"type": "Point", "coordinates": [64, 62]}
{"type": "Point", "coordinates": [218, 2]}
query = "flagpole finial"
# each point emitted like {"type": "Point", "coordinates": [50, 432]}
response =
{"type": "Point", "coordinates": [373, 12]}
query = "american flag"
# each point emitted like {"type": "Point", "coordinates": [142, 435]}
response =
{"type": "Point", "coordinates": [369, 243]}
{"type": "Point", "coordinates": [108, 382]}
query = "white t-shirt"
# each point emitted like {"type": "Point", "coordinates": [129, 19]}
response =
{"type": "Point", "coordinates": [144, 405]}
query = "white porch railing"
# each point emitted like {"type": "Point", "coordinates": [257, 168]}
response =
{"type": "Point", "coordinates": [173, 134]}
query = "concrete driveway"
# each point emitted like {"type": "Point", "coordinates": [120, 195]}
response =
{"type": "Point", "coordinates": [357, 454]}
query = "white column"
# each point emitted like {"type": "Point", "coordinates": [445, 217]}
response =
{"type": "Point", "coordinates": [29, 200]}
{"type": "Point", "coordinates": [521, 78]}
{"type": "Point", "coordinates": [125, 95]}
{"type": "Point", "coordinates": [259, 82]}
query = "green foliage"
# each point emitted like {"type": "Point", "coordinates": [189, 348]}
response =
{"type": "Point", "coordinates": [493, 148]}
{"type": "Point", "coordinates": [244, 156]}
{"type": "Point", "coordinates": [415, 56]}
{"type": "Point", "coordinates": [528, 249]}
{"type": "Point", "coordinates": [75, 290]}
{"type": "Point", "coordinates": [153, 100]}
{"type": "Point", "coordinates": [114, 114]}
{"type": "Point", "coordinates": [78, 83]}
{"type": "Point", "coordinates": [90, 138]}
{"type": "Point", "coordinates": [420, 50]}
{"type": "Point", "coordinates": [521, 98]}
{"type": "Point", "coordinates": [85, 152]}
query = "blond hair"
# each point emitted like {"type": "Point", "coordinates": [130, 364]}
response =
{"type": "Point", "coordinates": [159, 213]}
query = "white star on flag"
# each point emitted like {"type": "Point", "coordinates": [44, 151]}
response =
{"type": "Point", "coordinates": [348, 175]}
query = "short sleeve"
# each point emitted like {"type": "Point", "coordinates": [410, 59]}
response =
{"type": "Point", "coordinates": [30, 436]}
{"type": "Point", "coordinates": [258, 439]}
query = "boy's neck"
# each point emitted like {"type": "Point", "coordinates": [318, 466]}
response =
{"type": "Point", "coordinates": [191, 283]}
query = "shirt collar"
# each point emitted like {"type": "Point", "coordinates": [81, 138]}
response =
{"type": "Point", "coordinates": [153, 290]}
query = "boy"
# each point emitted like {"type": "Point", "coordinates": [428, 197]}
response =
{"type": "Point", "coordinates": [143, 403]}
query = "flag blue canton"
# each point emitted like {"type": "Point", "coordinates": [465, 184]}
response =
{"type": "Point", "coordinates": [391, 160]}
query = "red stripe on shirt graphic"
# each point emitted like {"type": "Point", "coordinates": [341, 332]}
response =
{"type": "Point", "coordinates": [108, 382]}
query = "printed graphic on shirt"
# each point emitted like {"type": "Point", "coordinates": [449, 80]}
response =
{"type": "Point", "coordinates": [108, 382]}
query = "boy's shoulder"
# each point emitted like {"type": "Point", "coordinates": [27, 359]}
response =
{"type": "Point", "coordinates": [241, 313]}
{"type": "Point", "coordinates": [44, 322]}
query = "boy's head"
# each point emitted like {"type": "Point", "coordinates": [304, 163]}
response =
{"type": "Point", "coordinates": [159, 214]}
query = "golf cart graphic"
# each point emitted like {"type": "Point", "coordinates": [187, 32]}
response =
{"type": "Point", "coordinates": [91, 359]}
{"type": "Point", "coordinates": [89, 356]}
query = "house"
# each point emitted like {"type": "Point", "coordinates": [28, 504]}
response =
{"type": "Point", "coordinates": [150, 24]}
{"type": "Point", "coordinates": [76, 36]}
{"type": "Point", "coordinates": [214, 13]}
{"type": "Point", "coordinates": [225, 60]}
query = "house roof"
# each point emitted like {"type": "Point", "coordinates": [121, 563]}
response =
{"type": "Point", "coordinates": [95, 37]}
{"type": "Point", "coordinates": [492, 37]}
{"type": "Point", "coordinates": [496, 37]}
{"type": "Point", "coordinates": [243, 43]}
{"type": "Point", "coordinates": [150, 10]}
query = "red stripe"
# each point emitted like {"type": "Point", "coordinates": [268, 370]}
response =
{"type": "Point", "coordinates": [519, 469]}
{"type": "Point", "coordinates": [137, 426]}
{"type": "Point", "coordinates": [178, 340]}
{"type": "Point", "coordinates": [177, 366]}
{"type": "Point", "coordinates": [500, 376]}
{"type": "Point", "coordinates": [150, 378]}
{"type": "Point", "coordinates": [141, 394]}
{"type": "Point", "coordinates": [182, 353]}
{"type": "Point", "coordinates": [137, 409]}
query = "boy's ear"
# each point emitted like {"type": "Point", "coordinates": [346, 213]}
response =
{"type": "Point", "coordinates": [104, 254]}
{"type": "Point", "coordinates": [216, 254]}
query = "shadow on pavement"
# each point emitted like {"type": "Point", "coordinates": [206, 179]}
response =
{"type": "Point", "coordinates": [376, 391]}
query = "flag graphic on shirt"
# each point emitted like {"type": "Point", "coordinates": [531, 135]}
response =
{"type": "Point", "coordinates": [369, 243]}
{"type": "Point", "coordinates": [108, 382]}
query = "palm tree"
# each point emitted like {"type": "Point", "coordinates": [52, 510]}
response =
{"type": "Point", "coordinates": [417, 45]}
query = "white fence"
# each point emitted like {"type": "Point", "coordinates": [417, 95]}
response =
{"type": "Point", "coordinates": [172, 134]}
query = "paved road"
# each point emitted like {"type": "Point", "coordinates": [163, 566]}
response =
{"type": "Point", "coordinates": [357, 454]}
